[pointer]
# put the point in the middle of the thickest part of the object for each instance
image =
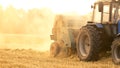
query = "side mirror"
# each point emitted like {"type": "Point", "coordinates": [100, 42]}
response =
{"type": "Point", "coordinates": [100, 7]}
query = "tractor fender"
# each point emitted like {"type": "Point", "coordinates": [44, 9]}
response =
{"type": "Point", "coordinates": [98, 25]}
{"type": "Point", "coordinates": [119, 27]}
{"type": "Point", "coordinates": [118, 34]}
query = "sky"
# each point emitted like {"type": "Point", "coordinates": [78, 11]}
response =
{"type": "Point", "coordinates": [57, 6]}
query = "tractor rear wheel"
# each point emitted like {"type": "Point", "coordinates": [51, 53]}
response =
{"type": "Point", "coordinates": [54, 49]}
{"type": "Point", "coordinates": [88, 44]}
{"type": "Point", "coordinates": [116, 51]}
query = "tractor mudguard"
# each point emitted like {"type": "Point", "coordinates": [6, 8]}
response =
{"type": "Point", "coordinates": [119, 27]}
{"type": "Point", "coordinates": [118, 34]}
{"type": "Point", "coordinates": [99, 25]}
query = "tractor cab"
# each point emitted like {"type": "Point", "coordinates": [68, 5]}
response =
{"type": "Point", "coordinates": [106, 15]}
{"type": "Point", "coordinates": [106, 12]}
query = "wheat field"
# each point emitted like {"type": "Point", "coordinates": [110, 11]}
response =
{"type": "Point", "coordinates": [28, 58]}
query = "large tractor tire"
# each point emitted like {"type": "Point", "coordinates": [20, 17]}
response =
{"type": "Point", "coordinates": [54, 49]}
{"type": "Point", "coordinates": [89, 43]}
{"type": "Point", "coordinates": [116, 51]}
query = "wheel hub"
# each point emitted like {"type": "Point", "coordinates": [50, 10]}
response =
{"type": "Point", "coordinates": [84, 45]}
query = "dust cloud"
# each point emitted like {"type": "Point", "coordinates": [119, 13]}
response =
{"type": "Point", "coordinates": [25, 29]}
{"type": "Point", "coordinates": [21, 29]}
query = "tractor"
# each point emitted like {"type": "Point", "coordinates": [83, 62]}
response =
{"type": "Point", "coordinates": [98, 36]}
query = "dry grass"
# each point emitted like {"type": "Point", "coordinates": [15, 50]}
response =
{"type": "Point", "coordinates": [21, 58]}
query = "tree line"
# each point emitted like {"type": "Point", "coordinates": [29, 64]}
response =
{"type": "Point", "coordinates": [19, 21]}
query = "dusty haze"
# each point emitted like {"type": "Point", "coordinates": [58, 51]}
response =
{"type": "Point", "coordinates": [27, 25]}
{"type": "Point", "coordinates": [28, 30]}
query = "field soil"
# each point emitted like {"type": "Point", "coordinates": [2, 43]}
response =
{"type": "Point", "coordinates": [28, 58]}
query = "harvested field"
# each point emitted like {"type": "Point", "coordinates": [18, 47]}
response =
{"type": "Point", "coordinates": [28, 58]}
